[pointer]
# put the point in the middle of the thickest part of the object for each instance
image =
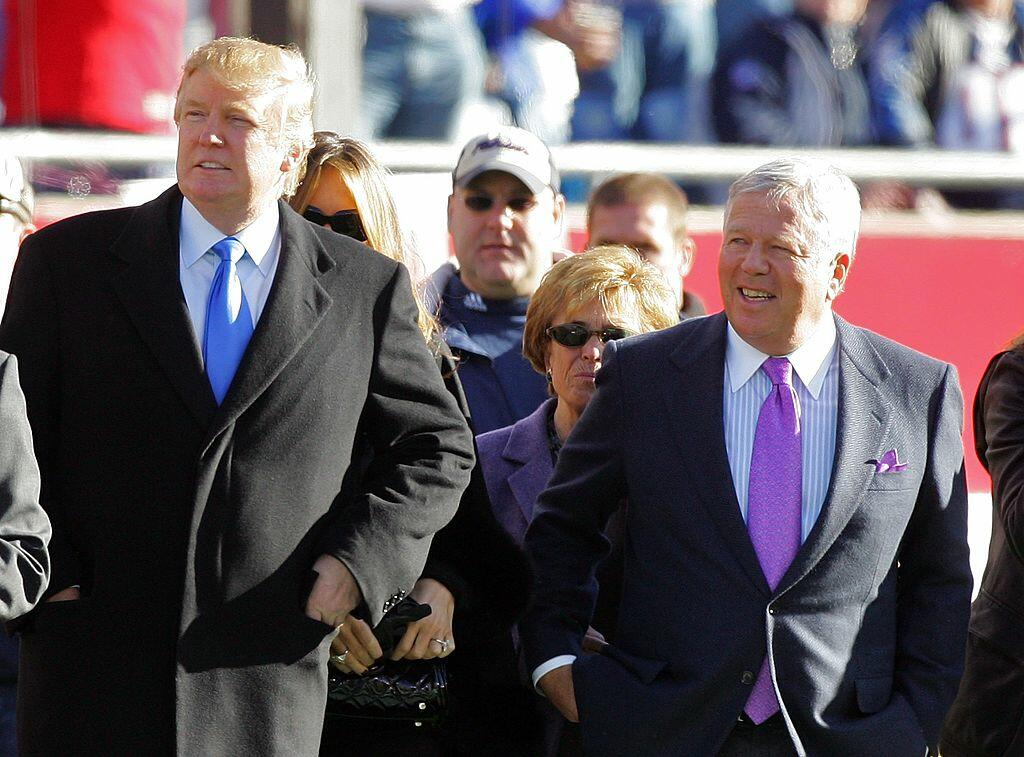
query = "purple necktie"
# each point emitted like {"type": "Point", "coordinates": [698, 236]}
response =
{"type": "Point", "coordinates": [773, 502]}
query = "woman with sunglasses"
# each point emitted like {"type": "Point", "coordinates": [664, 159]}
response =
{"type": "Point", "coordinates": [582, 303]}
{"type": "Point", "coordinates": [473, 594]}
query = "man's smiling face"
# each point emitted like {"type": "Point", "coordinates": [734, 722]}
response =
{"type": "Point", "coordinates": [776, 287]}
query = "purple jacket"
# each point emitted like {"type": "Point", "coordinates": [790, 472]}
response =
{"type": "Point", "coordinates": [516, 462]}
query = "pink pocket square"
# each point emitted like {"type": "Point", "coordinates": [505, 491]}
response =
{"type": "Point", "coordinates": [890, 463]}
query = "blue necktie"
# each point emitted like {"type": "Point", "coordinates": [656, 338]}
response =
{"type": "Point", "coordinates": [228, 320]}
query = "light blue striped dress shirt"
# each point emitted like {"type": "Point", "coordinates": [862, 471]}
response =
{"type": "Point", "coordinates": [816, 380]}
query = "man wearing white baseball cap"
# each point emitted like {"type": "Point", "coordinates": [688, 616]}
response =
{"type": "Point", "coordinates": [505, 218]}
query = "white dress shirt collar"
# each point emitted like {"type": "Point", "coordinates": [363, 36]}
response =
{"type": "Point", "coordinates": [810, 360]}
{"type": "Point", "coordinates": [198, 235]}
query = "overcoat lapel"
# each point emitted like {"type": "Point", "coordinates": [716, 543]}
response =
{"type": "Point", "coordinates": [296, 304]}
{"type": "Point", "coordinates": [862, 424]}
{"type": "Point", "coordinates": [147, 281]}
{"type": "Point", "coordinates": [527, 447]}
{"type": "Point", "coordinates": [696, 415]}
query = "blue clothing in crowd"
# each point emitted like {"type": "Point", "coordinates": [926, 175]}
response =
{"type": "Point", "coordinates": [502, 21]}
{"type": "Point", "coordinates": [793, 81]}
{"type": "Point", "coordinates": [419, 70]}
{"type": "Point", "coordinates": [921, 46]}
{"type": "Point", "coordinates": [656, 88]}
{"type": "Point", "coordinates": [487, 338]}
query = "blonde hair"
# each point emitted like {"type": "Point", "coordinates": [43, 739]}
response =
{"type": "Point", "coordinates": [367, 180]}
{"type": "Point", "coordinates": [616, 276]}
{"type": "Point", "coordinates": [253, 67]}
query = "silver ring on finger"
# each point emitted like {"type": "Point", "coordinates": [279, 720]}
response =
{"type": "Point", "coordinates": [339, 659]}
{"type": "Point", "coordinates": [444, 644]}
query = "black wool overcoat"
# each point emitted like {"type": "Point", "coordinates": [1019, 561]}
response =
{"type": "Point", "coordinates": [191, 528]}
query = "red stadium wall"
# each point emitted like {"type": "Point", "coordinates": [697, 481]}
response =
{"type": "Point", "coordinates": [958, 299]}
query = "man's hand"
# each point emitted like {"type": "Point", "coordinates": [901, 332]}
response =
{"type": "Point", "coordinates": [557, 687]}
{"type": "Point", "coordinates": [65, 595]}
{"type": "Point", "coordinates": [335, 592]}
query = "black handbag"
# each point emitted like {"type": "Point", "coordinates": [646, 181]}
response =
{"type": "Point", "coordinates": [392, 691]}
{"type": "Point", "coordinates": [395, 691]}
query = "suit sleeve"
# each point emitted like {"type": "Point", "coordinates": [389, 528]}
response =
{"type": "Point", "coordinates": [934, 573]}
{"type": "Point", "coordinates": [31, 331]}
{"type": "Point", "coordinates": [565, 540]}
{"type": "Point", "coordinates": [24, 527]}
{"type": "Point", "coordinates": [1004, 438]}
{"type": "Point", "coordinates": [422, 455]}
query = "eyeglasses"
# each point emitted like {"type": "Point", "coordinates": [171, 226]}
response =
{"type": "Point", "coordinates": [344, 222]}
{"type": "Point", "coordinates": [574, 335]}
{"type": "Point", "coordinates": [483, 203]}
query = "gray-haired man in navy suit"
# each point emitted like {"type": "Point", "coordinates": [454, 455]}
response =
{"type": "Point", "coordinates": [797, 578]}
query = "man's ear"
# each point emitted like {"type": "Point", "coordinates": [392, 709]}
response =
{"type": "Point", "coordinates": [291, 159]}
{"type": "Point", "coordinates": [687, 254]}
{"type": "Point", "coordinates": [451, 205]}
{"type": "Point", "coordinates": [559, 216]}
{"type": "Point", "coordinates": [840, 270]}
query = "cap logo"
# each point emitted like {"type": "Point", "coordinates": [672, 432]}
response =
{"type": "Point", "coordinates": [489, 144]}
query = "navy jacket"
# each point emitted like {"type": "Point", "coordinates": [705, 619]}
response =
{"type": "Point", "coordinates": [864, 634]}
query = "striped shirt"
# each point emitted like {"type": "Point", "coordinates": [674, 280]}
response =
{"type": "Point", "coordinates": [816, 380]}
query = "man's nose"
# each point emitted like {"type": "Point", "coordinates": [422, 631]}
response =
{"type": "Point", "coordinates": [500, 215]}
{"type": "Point", "coordinates": [211, 133]}
{"type": "Point", "coordinates": [756, 259]}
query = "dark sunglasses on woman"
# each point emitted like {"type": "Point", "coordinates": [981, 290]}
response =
{"type": "Point", "coordinates": [344, 222]}
{"type": "Point", "coordinates": [575, 335]}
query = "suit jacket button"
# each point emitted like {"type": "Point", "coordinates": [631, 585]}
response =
{"type": "Point", "coordinates": [747, 678]}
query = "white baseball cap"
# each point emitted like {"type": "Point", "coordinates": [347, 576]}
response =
{"type": "Point", "coordinates": [512, 150]}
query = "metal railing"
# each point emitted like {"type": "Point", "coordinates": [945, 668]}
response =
{"type": "Point", "coordinates": [936, 168]}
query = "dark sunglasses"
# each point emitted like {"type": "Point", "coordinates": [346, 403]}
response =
{"type": "Point", "coordinates": [483, 203]}
{"type": "Point", "coordinates": [574, 335]}
{"type": "Point", "coordinates": [344, 222]}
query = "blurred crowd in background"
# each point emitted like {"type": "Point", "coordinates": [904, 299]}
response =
{"type": "Point", "coordinates": [807, 73]}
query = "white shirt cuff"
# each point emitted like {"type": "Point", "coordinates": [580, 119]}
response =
{"type": "Point", "coordinates": [546, 667]}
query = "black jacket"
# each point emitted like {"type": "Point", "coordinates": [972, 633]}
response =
{"type": "Point", "coordinates": [191, 528]}
{"type": "Point", "coordinates": [987, 718]}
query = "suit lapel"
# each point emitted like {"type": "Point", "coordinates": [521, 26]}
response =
{"type": "Point", "coordinates": [147, 281]}
{"type": "Point", "coordinates": [296, 304]}
{"type": "Point", "coordinates": [695, 409]}
{"type": "Point", "coordinates": [862, 423]}
{"type": "Point", "coordinates": [527, 447]}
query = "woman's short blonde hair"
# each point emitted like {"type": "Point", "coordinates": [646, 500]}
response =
{"type": "Point", "coordinates": [623, 282]}
{"type": "Point", "coordinates": [367, 180]}
{"type": "Point", "coordinates": [256, 68]}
